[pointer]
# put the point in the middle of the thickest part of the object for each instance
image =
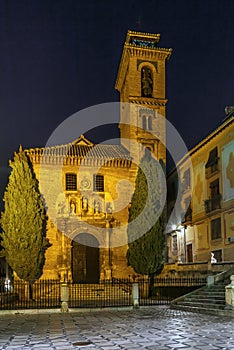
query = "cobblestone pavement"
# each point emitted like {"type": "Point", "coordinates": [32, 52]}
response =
{"type": "Point", "coordinates": [157, 328]}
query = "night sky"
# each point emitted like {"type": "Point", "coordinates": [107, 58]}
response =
{"type": "Point", "coordinates": [58, 57]}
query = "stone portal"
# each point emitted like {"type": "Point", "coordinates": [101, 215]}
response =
{"type": "Point", "coordinates": [85, 259]}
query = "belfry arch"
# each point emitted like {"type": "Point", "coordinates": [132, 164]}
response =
{"type": "Point", "coordinates": [85, 259]}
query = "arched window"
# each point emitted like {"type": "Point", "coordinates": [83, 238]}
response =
{"type": "Point", "coordinates": [144, 122]}
{"type": "Point", "coordinates": [149, 122]}
{"type": "Point", "coordinates": [146, 82]}
{"type": "Point", "coordinates": [148, 153]}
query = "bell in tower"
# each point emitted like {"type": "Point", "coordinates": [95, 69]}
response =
{"type": "Point", "coordinates": [141, 83]}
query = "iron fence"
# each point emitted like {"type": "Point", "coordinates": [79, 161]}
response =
{"type": "Point", "coordinates": [161, 291]}
{"type": "Point", "coordinates": [116, 292]}
{"type": "Point", "coordinates": [104, 294]}
{"type": "Point", "coordinates": [43, 294]}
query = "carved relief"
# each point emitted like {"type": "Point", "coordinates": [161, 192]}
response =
{"type": "Point", "coordinates": [85, 183]}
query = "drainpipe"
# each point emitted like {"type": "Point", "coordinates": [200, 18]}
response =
{"type": "Point", "coordinates": [185, 246]}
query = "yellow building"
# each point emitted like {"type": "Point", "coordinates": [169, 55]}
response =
{"type": "Point", "coordinates": [79, 180]}
{"type": "Point", "coordinates": [206, 196]}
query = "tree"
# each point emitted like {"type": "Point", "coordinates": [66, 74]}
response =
{"type": "Point", "coordinates": [146, 249]}
{"type": "Point", "coordinates": [23, 221]}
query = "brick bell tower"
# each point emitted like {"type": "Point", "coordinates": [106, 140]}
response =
{"type": "Point", "coordinates": [141, 83]}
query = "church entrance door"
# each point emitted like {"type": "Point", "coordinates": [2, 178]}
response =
{"type": "Point", "coordinates": [85, 259]}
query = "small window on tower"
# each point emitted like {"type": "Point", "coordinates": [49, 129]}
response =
{"type": "Point", "coordinates": [98, 183]}
{"type": "Point", "coordinates": [71, 182]}
{"type": "Point", "coordinates": [146, 82]}
{"type": "Point", "coordinates": [149, 122]}
{"type": "Point", "coordinates": [144, 122]}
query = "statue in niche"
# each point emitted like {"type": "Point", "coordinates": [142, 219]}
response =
{"type": "Point", "coordinates": [96, 207]}
{"type": "Point", "coordinates": [146, 82]}
{"type": "Point", "coordinates": [85, 204]}
{"type": "Point", "coordinates": [60, 208]}
{"type": "Point", "coordinates": [108, 208]}
{"type": "Point", "coordinates": [72, 207]}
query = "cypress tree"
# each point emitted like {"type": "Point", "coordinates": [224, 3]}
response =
{"type": "Point", "coordinates": [146, 251]}
{"type": "Point", "coordinates": [23, 221]}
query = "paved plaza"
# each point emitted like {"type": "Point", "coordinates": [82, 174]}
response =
{"type": "Point", "coordinates": [157, 328]}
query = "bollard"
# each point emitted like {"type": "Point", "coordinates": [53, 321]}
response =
{"type": "Point", "coordinates": [64, 297]}
{"type": "Point", "coordinates": [135, 295]}
{"type": "Point", "coordinates": [229, 293]}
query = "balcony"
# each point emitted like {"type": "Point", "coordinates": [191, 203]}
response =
{"type": "Point", "coordinates": [213, 203]}
{"type": "Point", "coordinates": [212, 169]}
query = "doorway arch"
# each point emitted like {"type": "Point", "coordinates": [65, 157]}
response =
{"type": "Point", "coordinates": [85, 259]}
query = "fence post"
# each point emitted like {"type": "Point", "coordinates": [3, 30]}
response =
{"type": "Point", "coordinates": [135, 295]}
{"type": "Point", "coordinates": [229, 293]}
{"type": "Point", "coordinates": [64, 297]}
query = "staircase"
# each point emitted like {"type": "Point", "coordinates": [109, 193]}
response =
{"type": "Point", "coordinates": [207, 300]}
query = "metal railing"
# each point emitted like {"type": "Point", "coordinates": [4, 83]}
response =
{"type": "Point", "coordinates": [46, 294]}
{"type": "Point", "coordinates": [164, 290]}
{"type": "Point", "coordinates": [17, 295]}
{"type": "Point", "coordinates": [213, 203]}
{"type": "Point", "coordinates": [103, 294]}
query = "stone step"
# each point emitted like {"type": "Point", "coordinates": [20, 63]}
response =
{"type": "Point", "coordinates": [201, 300]}
{"type": "Point", "coordinates": [208, 300]}
{"type": "Point", "coordinates": [210, 295]}
{"type": "Point", "coordinates": [203, 305]}
{"type": "Point", "coordinates": [216, 287]}
{"type": "Point", "coordinates": [208, 311]}
{"type": "Point", "coordinates": [210, 292]}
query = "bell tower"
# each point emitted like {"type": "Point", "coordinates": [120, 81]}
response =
{"type": "Point", "coordinates": [141, 83]}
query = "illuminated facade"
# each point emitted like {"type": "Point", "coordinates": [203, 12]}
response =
{"type": "Point", "coordinates": [82, 198]}
{"type": "Point", "coordinates": [207, 197]}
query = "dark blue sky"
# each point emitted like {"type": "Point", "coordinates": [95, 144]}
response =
{"type": "Point", "coordinates": [58, 57]}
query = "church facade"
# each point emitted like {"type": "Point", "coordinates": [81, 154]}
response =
{"type": "Point", "coordinates": [87, 225]}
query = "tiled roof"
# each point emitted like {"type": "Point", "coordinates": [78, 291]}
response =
{"type": "Point", "coordinates": [79, 152]}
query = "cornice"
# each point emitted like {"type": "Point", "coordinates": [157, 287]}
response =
{"type": "Point", "coordinates": [130, 33]}
{"type": "Point", "coordinates": [157, 52]}
{"type": "Point", "coordinates": [207, 139]}
{"type": "Point", "coordinates": [148, 102]}
{"type": "Point", "coordinates": [41, 158]}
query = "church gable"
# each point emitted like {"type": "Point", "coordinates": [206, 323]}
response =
{"type": "Point", "coordinates": [82, 141]}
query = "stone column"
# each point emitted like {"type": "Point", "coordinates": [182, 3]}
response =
{"type": "Point", "coordinates": [64, 297]}
{"type": "Point", "coordinates": [62, 266]}
{"type": "Point", "coordinates": [107, 251]}
{"type": "Point", "coordinates": [229, 293]}
{"type": "Point", "coordinates": [135, 295]}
